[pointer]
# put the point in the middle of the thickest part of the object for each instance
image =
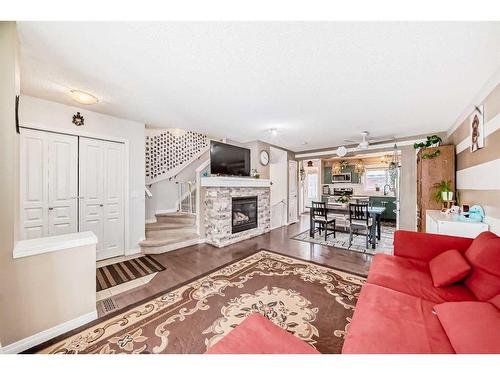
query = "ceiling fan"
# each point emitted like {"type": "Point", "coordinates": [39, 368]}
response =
{"type": "Point", "coordinates": [363, 144]}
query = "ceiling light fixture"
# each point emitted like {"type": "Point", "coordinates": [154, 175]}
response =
{"type": "Point", "coordinates": [273, 131]}
{"type": "Point", "coordinates": [83, 97]}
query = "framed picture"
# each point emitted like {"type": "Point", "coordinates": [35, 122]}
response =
{"type": "Point", "coordinates": [476, 121]}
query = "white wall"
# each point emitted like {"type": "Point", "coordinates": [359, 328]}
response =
{"type": "Point", "coordinates": [43, 114]}
{"type": "Point", "coordinates": [165, 193]}
{"type": "Point", "coordinates": [408, 189]}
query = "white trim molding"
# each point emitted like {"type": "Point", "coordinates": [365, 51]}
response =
{"type": "Point", "coordinates": [40, 337]}
{"type": "Point", "coordinates": [316, 154]}
{"type": "Point", "coordinates": [26, 248]}
{"type": "Point", "coordinates": [234, 182]}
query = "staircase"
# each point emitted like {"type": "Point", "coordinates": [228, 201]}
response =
{"type": "Point", "coordinates": [171, 231]}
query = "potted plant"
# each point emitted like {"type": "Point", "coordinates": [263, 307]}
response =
{"type": "Point", "coordinates": [255, 173]}
{"type": "Point", "coordinates": [344, 199]}
{"type": "Point", "coordinates": [432, 141]}
{"type": "Point", "coordinates": [444, 192]}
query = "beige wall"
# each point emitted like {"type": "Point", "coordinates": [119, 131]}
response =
{"type": "Point", "coordinates": [41, 291]}
{"type": "Point", "coordinates": [478, 173]}
{"type": "Point", "coordinates": [408, 189]}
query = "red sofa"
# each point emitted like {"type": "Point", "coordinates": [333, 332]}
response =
{"type": "Point", "coordinates": [399, 309]}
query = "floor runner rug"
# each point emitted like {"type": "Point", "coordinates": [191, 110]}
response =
{"type": "Point", "coordinates": [341, 240]}
{"type": "Point", "coordinates": [119, 273]}
{"type": "Point", "coordinates": [313, 302]}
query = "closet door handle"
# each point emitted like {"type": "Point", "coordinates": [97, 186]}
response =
{"type": "Point", "coordinates": [51, 208]}
{"type": "Point", "coordinates": [101, 205]}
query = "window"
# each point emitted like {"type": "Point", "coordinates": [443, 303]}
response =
{"type": "Point", "coordinates": [312, 185]}
{"type": "Point", "coordinates": [374, 177]}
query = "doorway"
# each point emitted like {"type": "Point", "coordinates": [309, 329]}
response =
{"type": "Point", "coordinates": [278, 173]}
{"type": "Point", "coordinates": [311, 183]}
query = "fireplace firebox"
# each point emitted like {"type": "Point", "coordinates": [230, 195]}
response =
{"type": "Point", "coordinates": [244, 213]}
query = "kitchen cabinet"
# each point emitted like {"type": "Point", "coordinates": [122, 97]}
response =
{"type": "Point", "coordinates": [355, 177]}
{"type": "Point", "coordinates": [388, 202]}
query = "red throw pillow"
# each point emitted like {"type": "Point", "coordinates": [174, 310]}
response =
{"type": "Point", "coordinates": [484, 256]}
{"type": "Point", "coordinates": [471, 326]}
{"type": "Point", "coordinates": [448, 268]}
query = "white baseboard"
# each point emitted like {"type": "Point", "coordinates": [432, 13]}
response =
{"type": "Point", "coordinates": [137, 250]}
{"type": "Point", "coordinates": [38, 338]}
{"type": "Point", "coordinates": [151, 221]}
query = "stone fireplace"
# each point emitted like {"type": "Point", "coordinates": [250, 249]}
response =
{"type": "Point", "coordinates": [236, 212]}
{"type": "Point", "coordinates": [244, 213]}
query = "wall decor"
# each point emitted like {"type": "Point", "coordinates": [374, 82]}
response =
{"type": "Point", "coordinates": [477, 129]}
{"type": "Point", "coordinates": [78, 119]}
{"type": "Point", "coordinates": [168, 150]}
{"type": "Point", "coordinates": [264, 157]}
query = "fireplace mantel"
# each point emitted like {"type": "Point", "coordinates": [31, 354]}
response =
{"type": "Point", "coordinates": [234, 182]}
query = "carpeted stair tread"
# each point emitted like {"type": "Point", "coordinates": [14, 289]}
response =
{"type": "Point", "coordinates": [161, 226]}
{"type": "Point", "coordinates": [176, 217]}
{"type": "Point", "coordinates": [151, 242]}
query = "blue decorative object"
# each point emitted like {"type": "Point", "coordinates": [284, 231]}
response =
{"type": "Point", "coordinates": [476, 215]}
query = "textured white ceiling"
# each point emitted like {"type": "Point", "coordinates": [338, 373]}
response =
{"type": "Point", "coordinates": [318, 83]}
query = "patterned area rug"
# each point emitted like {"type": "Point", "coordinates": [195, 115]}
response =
{"type": "Point", "coordinates": [384, 245]}
{"type": "Point", "coordinates": [119, 273]}
{"type": "Point", "coordinates": [313, 302]}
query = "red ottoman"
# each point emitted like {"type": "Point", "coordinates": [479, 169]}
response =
{"type": "Point", "coordinates": [258, 335]}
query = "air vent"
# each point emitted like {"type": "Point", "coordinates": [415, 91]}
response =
{"type": "Point", "coordinates": [108, 305]}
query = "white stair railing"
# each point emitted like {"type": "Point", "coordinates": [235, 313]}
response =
{"type": "Point", "coordinates": [186, 197]}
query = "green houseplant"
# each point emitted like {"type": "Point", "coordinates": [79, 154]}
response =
{"type": "Point", "coordinates": [344, 199]}
{"type": "Point", "coordinates": [432, 141]}
{"type": "Point", "coordinates": [443, 192]}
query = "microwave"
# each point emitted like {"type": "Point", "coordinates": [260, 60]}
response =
{"type": "Point", "coordinates": [341, 177]}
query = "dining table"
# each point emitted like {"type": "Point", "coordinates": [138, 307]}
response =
{"type": "Point", "coordinates": [336, 208]}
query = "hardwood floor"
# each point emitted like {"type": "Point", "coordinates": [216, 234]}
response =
{"type": "Point", "coordinates": [189, 262]}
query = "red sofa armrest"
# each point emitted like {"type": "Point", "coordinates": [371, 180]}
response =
{"type": "Point", "coordinates": [425, 246]}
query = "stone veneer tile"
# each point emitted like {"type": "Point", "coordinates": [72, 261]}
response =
{"type": "Point", "coordinates": [218, 204]}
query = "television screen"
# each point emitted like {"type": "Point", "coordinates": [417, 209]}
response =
{"type": "Point", "coordinates": [229, 160]}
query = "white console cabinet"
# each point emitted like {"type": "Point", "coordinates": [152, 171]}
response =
{"type": "Point", "coordinates": [437, 222]}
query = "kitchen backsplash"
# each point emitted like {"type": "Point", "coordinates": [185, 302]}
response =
{"type": "Point", "coordinates": [359, 189]}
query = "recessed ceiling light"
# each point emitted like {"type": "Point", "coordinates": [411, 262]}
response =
{"type": "Point", "coordinates": [304, 143]}
{"type": "Point", "coordinates": [83, 97]}
{"type": "Point", "coordinates": [273, 131]}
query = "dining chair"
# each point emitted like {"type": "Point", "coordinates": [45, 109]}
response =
{"type": "Point", "coordinates": [320, 216]}
{"type": "Point", "coordinates": [359, 217]}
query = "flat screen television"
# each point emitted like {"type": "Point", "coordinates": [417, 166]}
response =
{"type": "Point", "coordinates": [229, 160]}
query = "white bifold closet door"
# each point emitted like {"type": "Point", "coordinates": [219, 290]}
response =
{"type": "Point", "coordinates": [102, 194]}
{"type": "Point", "coordinates": [48, 179]}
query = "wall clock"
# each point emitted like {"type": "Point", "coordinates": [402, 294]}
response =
{"type": "Point", "coordinates": [264, 157]}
